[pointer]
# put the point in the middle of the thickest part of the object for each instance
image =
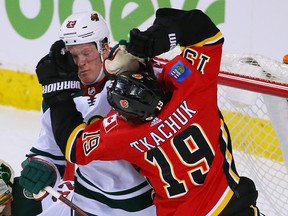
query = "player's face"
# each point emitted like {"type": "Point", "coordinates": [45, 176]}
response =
{"type": "Point", "coordinates": [88, 60]}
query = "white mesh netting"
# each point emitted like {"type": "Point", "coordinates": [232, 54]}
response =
{"type": "Point", "coordinates": [258, 125]}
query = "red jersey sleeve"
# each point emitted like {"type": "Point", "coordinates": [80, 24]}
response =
{"type": "Point", "coordinates": [203, 62]}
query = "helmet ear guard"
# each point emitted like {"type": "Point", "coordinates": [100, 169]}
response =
{"type": "Point", "coordinates": [85, 27]}
{"type": "Point", "coordinates": [138, 97]}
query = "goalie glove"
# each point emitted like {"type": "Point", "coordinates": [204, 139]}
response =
{"type": "Point", "coordinates": [6, 183]}
{"type": "Point", "coordinates": [58, 74]}
{"type": "Point", "coordinates": [119, 60]}
{"type": "Point", "coordinates": [36, 175]}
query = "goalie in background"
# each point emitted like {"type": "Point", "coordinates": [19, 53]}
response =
{"type": "Point", "coordinates": [16, 201]}
{"type": "Point", "coordinates": [171, 128]}
{"type": "Point", "coordinates": [6, 184]}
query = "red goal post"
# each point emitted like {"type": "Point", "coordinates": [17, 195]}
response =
{"type": "Point", "coordinates": [253, 84]}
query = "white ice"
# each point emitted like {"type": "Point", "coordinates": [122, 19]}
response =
{"type": "Point", "coordinates": [18, 130]}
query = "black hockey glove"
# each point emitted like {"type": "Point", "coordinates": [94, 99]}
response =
{"type": "Point", "coordinates": [152, 42]}
{"type": "Point", "coordinates": [58, 74]}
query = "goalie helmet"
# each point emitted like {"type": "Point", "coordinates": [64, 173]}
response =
{"type": "Point", "coordinates": [136, 96]}
{"type": "Point", "coordinates": [85, 27]}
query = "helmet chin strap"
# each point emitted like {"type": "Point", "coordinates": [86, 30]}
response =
{"type": "Point", "coordinates": [97, 79]}
{"type": "Point", "coordinates": [99, 75]}
{"type": "Point", "coordinates": [102, 70]}
{"type": "Point", "coordinates": [101, 58]}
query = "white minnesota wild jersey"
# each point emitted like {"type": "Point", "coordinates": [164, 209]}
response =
{"type": "Point", "coordinates": [101, 187]}
{"type": "Point", "coordinates": [52, 206]}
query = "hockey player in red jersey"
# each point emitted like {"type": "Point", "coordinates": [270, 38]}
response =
{"type": "Point", "coordinates": [171, 127]}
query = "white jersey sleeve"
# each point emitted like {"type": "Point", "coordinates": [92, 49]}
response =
{"type": "Point", "coordinates": [53, 206]}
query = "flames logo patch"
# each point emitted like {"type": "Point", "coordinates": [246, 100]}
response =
{"type": "Point", "coordinates": [124, 104]}
{"type": "Point", "coordinates": [137, 76]}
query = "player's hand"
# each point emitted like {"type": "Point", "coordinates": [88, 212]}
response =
{"type": "Point", "coordinates": [36, 175]}
{"type": "Point", "coordinates": [119, 60]}
{"type": "Point", "coordinates": [150, 43]}
{"type": "Point", "coordinates": [57, 73]}
{"type": "Point", "coordinates": [63, 59]}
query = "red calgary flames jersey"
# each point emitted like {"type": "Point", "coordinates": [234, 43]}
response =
{"type": "Point", "coordinates": [185, 152]}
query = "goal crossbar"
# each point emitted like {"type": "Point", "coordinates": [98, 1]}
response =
{"type": "Point", "coordinates": [253, 84]}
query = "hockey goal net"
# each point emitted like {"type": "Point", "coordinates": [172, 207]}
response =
{"type": "Point", "coordinates": [253, 92]}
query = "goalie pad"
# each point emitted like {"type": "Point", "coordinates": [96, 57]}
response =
{"type": "Point", "coordinates": [6, 183]}
{"type": "Point", "coordinates": [120, 60]}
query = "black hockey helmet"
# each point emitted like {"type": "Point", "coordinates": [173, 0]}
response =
{"type": "Point", "coordinates": [137, 96]}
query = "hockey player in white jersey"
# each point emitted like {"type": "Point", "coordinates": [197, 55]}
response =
{"type": "Point", "coordinates": [101, 187]}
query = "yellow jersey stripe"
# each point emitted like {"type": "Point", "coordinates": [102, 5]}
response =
{"type": "Point", "coordinates": [228, 154]}
{"type": "Point", "coordinates": [222, 202]}
{"type": "Point", "coordinates": [209, 40]}
{"type": "Point", "coordinates": [71, 140]}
